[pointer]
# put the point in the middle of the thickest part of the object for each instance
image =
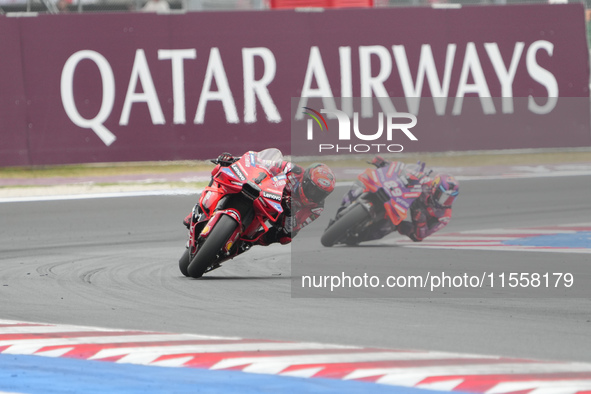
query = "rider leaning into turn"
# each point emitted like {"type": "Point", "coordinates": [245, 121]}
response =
{"type": "Point", "coordinates": [428, 214]}
{"type": "Point", "coordinates": [303, 198]}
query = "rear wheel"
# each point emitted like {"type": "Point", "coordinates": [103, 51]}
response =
{"type": "Point", "coordinates": [340, 229]}
{"type": "Point", "coordinates": [213, 244]}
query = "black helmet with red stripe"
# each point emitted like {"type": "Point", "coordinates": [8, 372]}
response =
{"type": "Point", "coordinates": [318, 182]}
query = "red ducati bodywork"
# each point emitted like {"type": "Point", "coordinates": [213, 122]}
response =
{"type": "Point", "coordinates": [248, 192]}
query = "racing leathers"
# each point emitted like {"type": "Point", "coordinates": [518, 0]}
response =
{"type": "Point", "coordinates": [296, 214]}
{"type": "Point", "coordinates": [426, 219]}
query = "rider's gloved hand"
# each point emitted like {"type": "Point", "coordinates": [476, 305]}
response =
{"type": "Point", "coordinates": [286, 204]}
{"type": "Point", "coordinates": [379, 162]}
{"type": "Point", "coordinates": [225, 159]}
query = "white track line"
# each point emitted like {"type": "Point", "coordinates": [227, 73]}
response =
{"type": "Point", "coordinates": [31, 346]}
{"type": "Point", "coordinates": [146, 355]}
{"type": "Point", "coordinates": [176, 192]}
{"type": "Point", "coordinates": [543, 387]}
{"type": "Point", "coordinates": [444, 370]}
{"type": "Point", "coordinates": [173, 192]}
{"type": "Point", "coordinates": [413, 376]}
{"type": "Point", "coordinates": [277, 364]}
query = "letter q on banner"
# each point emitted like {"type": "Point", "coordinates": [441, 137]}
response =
{"type": "Point", "coordinates": [67, 92]}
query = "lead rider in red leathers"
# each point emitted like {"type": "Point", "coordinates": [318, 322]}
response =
{"type": "Point", "coordinates": [303, 198]}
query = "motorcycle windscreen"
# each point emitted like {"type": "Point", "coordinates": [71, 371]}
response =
{"type": "Point", "coordinates": [271, 159]}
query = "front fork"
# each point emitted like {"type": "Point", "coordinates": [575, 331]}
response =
{"type": "Point", "coordinates": [200, 230]}
{"type": "Point", "coordinates": [196, 220]}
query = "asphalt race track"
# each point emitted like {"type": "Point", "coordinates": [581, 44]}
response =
{"type": "Point", "coordinates": [112, 262]}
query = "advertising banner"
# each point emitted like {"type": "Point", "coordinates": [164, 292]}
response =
{"type": "Point", "coordinates": [129, 87]}
{"type": "Point", "coordinates": [14, 129]}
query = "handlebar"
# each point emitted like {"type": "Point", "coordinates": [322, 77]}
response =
{"type": "Point", "coordinates": [224, 163]}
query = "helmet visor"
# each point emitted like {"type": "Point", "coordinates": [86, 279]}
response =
{"type": "Point", "coordinates": [312, 192]}
{"type": "Point", "coordinates": [443, 197]}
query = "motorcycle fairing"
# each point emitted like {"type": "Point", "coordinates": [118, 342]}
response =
{"type": "Point", "coordinates": [402, 186]}
{"type": "Point", "coordinates": [259, 176]}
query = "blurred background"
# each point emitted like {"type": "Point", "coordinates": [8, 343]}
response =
{"type": "Point", "coordinates": [176, 6]}
{"type": "Point", "coordinates": [55, 6]}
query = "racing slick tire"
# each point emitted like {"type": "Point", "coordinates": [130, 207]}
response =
{"type": "Point", "coordinates": [207, 253]}
{"type": "Point", "coordinates": [184, 262]}
{"type": "Point", "coordinates": [338, 231]}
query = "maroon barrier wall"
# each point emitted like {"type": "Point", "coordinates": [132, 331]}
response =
{"type": "Point", "coordinates": [167, 87]}
{"type": "Point", "coordinates": [13, 103]}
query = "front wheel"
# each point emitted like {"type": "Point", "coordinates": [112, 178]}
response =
{"type": "Point", "coordinates": [208, 252]}
{"type": "Point", "coordinates": [184, 262]}
{"type": "Point", "coordinates": [339, 230]}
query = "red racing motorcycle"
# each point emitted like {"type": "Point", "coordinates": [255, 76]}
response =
{"type": "Point", "coordinates": [234, 211]}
